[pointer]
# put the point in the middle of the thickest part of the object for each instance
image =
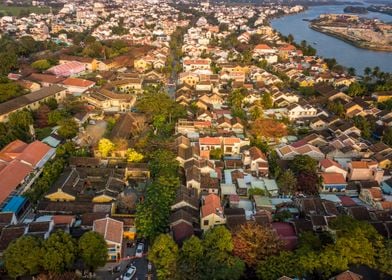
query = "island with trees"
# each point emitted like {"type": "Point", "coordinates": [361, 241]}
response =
{"type": "Point", "coordinates": [360, 32]}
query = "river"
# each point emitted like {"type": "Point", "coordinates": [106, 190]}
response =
{"type": "Point", "coordinates": [330, 47]}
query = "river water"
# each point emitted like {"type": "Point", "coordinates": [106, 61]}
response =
{"type": "Point", "coordinates": [331, 47]}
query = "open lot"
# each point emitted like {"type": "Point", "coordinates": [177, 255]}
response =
{"type": "Point", "coordinates": [22, 10]}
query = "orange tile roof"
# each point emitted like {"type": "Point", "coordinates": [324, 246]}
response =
{"type": "Point", "coordinates": [18, 161]}
{"type": "Point", "coordinates": [362, 164]}
{"type": "Point", "coordinates": [11, 176]}
{"type": "Point", "coordinates": [231, 141]}
{"type": "Point", "coordinates": [211, 204]}
{"type": "Point", "coordinates": [196, 61]}
{"type": "Point", "coordinates": [34, 152]}
{"type": "Point", "coordinates": [376, 193]}
{"type": "Point", "coordinates": [209, 141]}
{"type": "Point", "coordinates": [333, 178]}
{"type": "Point", "coordinates": [386, 204]}
{"type": "Point", "coordinates": [112, 230]}
{"type": "Point", "coordinates": [77, 82]}
{"type": "Point", "coordinates": [348, 275]}
{"type": "Point", "coordinates": [262, 47]}
{"type": "Point", "coordinates": [287, 48]}
{"type": "Point", "coordinates": [63, 219]}
{"type": "Point", "coordinates": [329, 162]}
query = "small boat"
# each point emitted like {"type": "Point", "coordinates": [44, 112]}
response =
{"type": "Point", "coordinates": [314, 43]}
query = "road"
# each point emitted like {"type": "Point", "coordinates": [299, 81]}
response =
{"type": "Point", "coordinates": [141, 264]}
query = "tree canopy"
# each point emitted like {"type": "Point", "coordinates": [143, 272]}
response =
{"type": "Point", "coordinates": [23, 256]}
{"type": "Point", "coordinates": [93, 250]}
{"type": "Point", "coordinates": [164, 254]}
{"type": "Point", "coordinates": [254, 243]}
{"type": "Point", "coordinates": [59, 252]}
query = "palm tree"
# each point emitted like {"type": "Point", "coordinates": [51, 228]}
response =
{"type": "Point", "coordinates": [376, 72]}
{"type": "Point", "coordinates": [351, 71]}
{"type": "Point", "coordinates": [367, 71]}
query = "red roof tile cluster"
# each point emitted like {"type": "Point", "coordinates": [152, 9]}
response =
{"type": "Point", "coordinates": [17, 161]}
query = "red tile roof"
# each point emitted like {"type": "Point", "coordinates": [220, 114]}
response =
{"type": "Point", "coordinates": [11, 176]}
{"type": "Point", "coordinates": [256, 153]}
{"type": "Point", "coordinates": [182, 231]}
{"type": "Point", "coordinates": [112, 230]}
{"type": "Point", "coordinates": [63, 219]}
{"type": "Point", "coordinates": [262, 47]}
{"type": "Point", "coordinates": [34, 152]}
{"type": "Point", "coordinates": [333, 178]}
{"type": "Point", "coordinates": [211, 205]}
{"type": "Point", "coordinates": [78, 82]}
{"type": "Point", "coordinates": [347, 201]}
{"type": "Point", "coordinates": [329, 162]}
{"type": "Point", "coordinates": [209, 141]}
{"type": "Point", "coordinates": [18, 161]}
{"type": "Point", "coordinates": [231, 141]}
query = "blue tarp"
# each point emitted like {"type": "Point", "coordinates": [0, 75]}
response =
{"type": "Point", "coordinates": [15, 204]}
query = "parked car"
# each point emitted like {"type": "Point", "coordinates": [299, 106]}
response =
{"type": "Point", "coordinates": [115, 269]}
{"type": "Point", "coordinates": [130, 273]}
{"type": "Point", "coordinates": [139, 250]}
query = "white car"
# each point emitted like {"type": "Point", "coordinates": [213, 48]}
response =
{"type": "Point", "coordinates": [130, 273]}
{"type": "Point", "coordinates": [139, 250]}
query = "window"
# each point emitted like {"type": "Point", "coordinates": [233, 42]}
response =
{"type": "Point", "coordinates": [205, 222]}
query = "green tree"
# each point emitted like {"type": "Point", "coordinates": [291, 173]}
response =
{"type": "Point", "coordinates": [54, 117]}
{"type": "Point", "coordinates": [276, 266]}
{"type": "Point", "coordinates": [8, 62]}
{"type": "Point", "coordinates": [384, 258]}
{"type": "Point", "coordinates": [163, 254]}
{"type": "Point", "coordinates": [336, 107]}
{"type": "Point", "coordinates": [387, 137]}
{"type": "Point", "coordinates": [41, 64]}
{"type": "Point", "coordinates": [93, 250]}
{"type": "Point", "coordinates": [60, 252]}
{"type": "Point", "coordinates": [190, 260]}
{"type": "Point", "coordinates": [219, 260]}
{"type": "Point", "coordinates": [163, 162]}
{"type": "Point", "coordinates": [356, 89]}
{"type": "Point", "coordinates": [303, 163]}
{"type": "Point", "coordinates": [19, 124]}
{"type": "Point", "coordinates": [68, 129]}
{"type": "Point", "coordinates": [236, 98]}
{"type": "Point", "coordinates": [364, 125]}
{"type": "Point", "coordinates": [23, 256]}
{"type": "Point", "coordinates": [153, 213]}
{"type": "Point", "coordinates": [161, 109]}
{"type": "Point", "coordinates": [216, 154]}
{"type": "Point", "coordinates": [267, 101]}
{"type": "Point", "coordinates": [287, 182]}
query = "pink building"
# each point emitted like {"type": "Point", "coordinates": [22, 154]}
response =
{"type": "Point", "coordinates": [67, 69]}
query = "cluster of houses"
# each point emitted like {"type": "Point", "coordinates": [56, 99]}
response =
{"type": "Point", "coordinates": [226, 180]}
{"type": "Point", "coordinates": [237, 188]}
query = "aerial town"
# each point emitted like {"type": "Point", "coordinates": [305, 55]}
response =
{"type": "Point", "coordinates": [187, 140]}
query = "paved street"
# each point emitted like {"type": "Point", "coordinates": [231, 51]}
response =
{"type": "Point", "coordinates": [141, 265]}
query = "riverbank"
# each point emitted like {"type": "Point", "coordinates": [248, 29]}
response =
{"type": "Point", "coordinates": [351, 41]}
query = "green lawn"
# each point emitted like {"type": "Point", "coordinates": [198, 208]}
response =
{"type": "Point", "coordinates": [22, 10]}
